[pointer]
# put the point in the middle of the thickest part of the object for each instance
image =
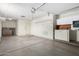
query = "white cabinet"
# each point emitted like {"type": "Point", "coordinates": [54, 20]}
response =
{"type": "Point", "coordinates": [62, 35]}
{"type": "Point", "coordinates": [67, 35]}
{"type": "Point", "coordinates": [67, 20]}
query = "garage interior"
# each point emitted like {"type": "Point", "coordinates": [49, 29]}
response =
{"type": "Point", "coordinates": [39, 29]}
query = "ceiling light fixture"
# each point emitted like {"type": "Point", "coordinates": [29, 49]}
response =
{"type": "Point", "coordinates": [33, 10]}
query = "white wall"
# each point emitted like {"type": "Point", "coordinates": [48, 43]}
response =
{"type": "Point", "coordinates": [9, 24]}
{"type": "Point", "coordinates": [43, 27]}
{"type": "Point", "coordinates": [70, 13]}
{"type": "Point", "coordinates": [23, 27]}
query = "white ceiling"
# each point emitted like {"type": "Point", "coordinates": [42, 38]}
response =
{"type": "Point", "coordinates": [16, 10]}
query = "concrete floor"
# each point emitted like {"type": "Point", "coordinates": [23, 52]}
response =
{"type": "Point", "coordinates": [35, 46]}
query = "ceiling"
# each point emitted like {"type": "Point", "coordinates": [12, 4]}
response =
{"type": "Point", "coordinates": [23, 10]}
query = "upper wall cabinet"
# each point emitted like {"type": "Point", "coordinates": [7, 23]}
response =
{"type": "Point", "coordinates": [67, 20]}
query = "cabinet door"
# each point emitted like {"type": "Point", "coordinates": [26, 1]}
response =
{"type": "Point", "coordinates": [62, 35]}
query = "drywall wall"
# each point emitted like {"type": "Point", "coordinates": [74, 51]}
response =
{"type": "Point", "coordinates": [43, 27]}
{"type": "Point", "coordinates": [9, 24]}
{"type": "Point", "coordinates": [23, 27]}
{"type": "Point", "coordinates": [70, 13]}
